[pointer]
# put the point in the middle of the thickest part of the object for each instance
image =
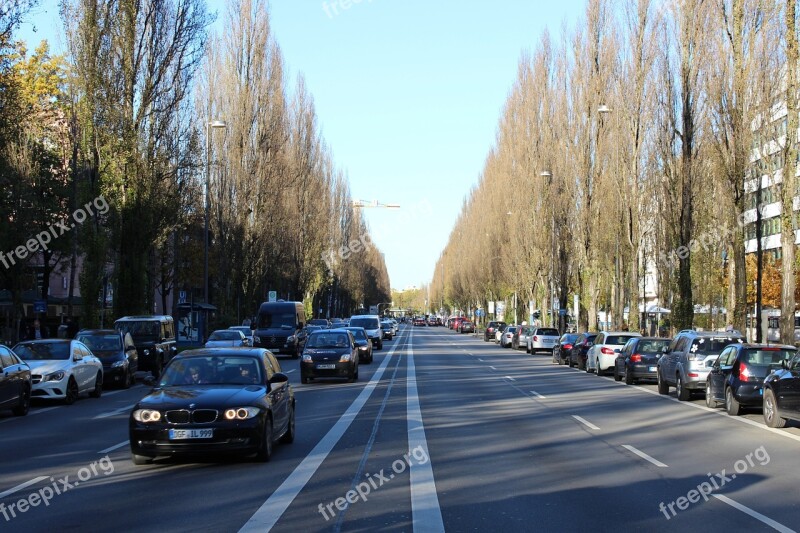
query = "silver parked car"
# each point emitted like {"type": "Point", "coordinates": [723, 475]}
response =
{"type": "Point", "coordinates": [507, 336]}
{"type": "Point", "coordinates": [542, 340]}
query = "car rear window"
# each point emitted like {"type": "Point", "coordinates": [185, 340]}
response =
{"type": "Point", "coordinates": [366, 323]}
{"type": "Point", "coordinates": [618, 339]}
{"type": "Point", "coordinates": [552, 332]}
{"type": "Point", "coordinates": [767, 357]}
{"type": "Point", "coordinates": [652, 346]}
{"type": "Point", "coordinates": [712, 345]}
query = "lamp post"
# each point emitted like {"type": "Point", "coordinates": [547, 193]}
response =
{"type": "Point", "coordinates": [549, 176]}
{"type": "Point", "coordinates": [211, 124]}
{"type": "Point", "coordinates": [617, 290]}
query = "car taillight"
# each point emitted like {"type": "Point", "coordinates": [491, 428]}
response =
{"type": "Point", "coordinates": [535, 338]}
{"type": "Point", "coordinates": [744, 372]}
{"type": "Point", "coordinates": [636, 358]}
{"type": "Point", "coordinates": [567, 346]}
{"type": "Point", "coordinates": [606, 350]}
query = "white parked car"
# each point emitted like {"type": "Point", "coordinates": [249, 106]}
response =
{"type": "Point", "coordinates": [602, 356]}
{"type": "Point", "coordinates": [507, 336]}
{"type": "Point", "coordinates": [61, 369]}
{"type": "Point", "coordinates": [542, 340]}
{"type": "Point", "coordinates": [227, 338]}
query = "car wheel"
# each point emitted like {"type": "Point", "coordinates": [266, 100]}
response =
{"type": "Point", "coordinates": [570, 363]}
{"type": "Point", "coordinates": [772, 417]}
{"type": "Point", "coordinates": [288, 436]}
{"type": "Point", "coordinates": [354, 375]}
{"type": "Point", "coordinates": [129, 380]}
{"type": "Point", "coordinates": [296, 353]}
{"type": "Point", "coordinates": [98, 386]}
{"type": "Point", "coordinates": [587, 369]}
{"type": "Point", "coordinates": [140, 460]}
{"type": "Point", "coordinates": [264, 453]}
{"type": "Point", "coordinates": [663, 388]}
{"type": "Point", "coordinates": [617, 376]}
{"type": "Point", "coordinates": [72, 391]}
{"type": "Point", "coordinates": [629, 377]}
{"type": "Point", "coordinates": [683, 393]}
{"type": "Point", "coordinates": [597, 368]}
{"type": "Point", "coordinates": [731, 405]}
{"type": "Point", "coordinates": [24, 404]}
{"type": "Point", "coordinates": [710, 402]}
{"type": "Point", "coordinates": [303, 379]}
{"type": "Point", "coordinates": [380, 345]}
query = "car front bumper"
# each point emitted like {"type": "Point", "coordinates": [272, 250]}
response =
{"type": "Point", "coordinates": [55, 390]}
{"type": "Point", "coordinates": [340, 370]}
{"type": "Point", "coordinates": [237, 438]}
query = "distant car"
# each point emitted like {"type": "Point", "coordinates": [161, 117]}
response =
{"type": "Point", "coordinates": [388, 329]}
{"type": "Point", "coordinates": [507, 336]}
{"type": "Point", "coordinates": [520, 339]}
{"type": "Point", "coordinates": [248, 333]}
{"type": "Point", "coordinates": [638, 359]}
{"type": "Point", "coordinates": [227, 338]}
{"type": "Point", "coordinates": [782, 394]}
{"type": "Point", "coordinates": [154, 338]}
{"type": "Point", "coordinates": [491, 329]}
{"type": "Point", "coordinates": [372, 324]}
{"type": "Point", "coordinates": [737, 376]}
{"type": "Point", "coordinates": [362, 343]}
{"type": "Point", "coordinates": [15, 382]}
{"type": "Point", "coordinates": [329, 353]}
{"type": "Point", "coordinates": [578, 354]}
{"type": "Point", "coordinates": [542, 340]}
{"type": "Point", "coordinates": [324, 323]}
{"type": "Point", "coordinates": [117, 353]}
{"type": "Point", "coordinates": [215, 401]}
{"type": "Point", "coordinates": [419, 321]}
{"type": "Point", "coordinates": [602, 355]}
{"type": "Point", "coordinates": [466, 327]}
{"type": "Point", "coordinates": [563, 347]}
{"type": "Point", "coordinates": [688, 360]}
{"type": "Point", "coordinates": [61, 369]}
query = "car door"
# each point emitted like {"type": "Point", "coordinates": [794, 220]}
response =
{"type": "Point", "coordinates": [130, 352]}
{"type": "Point", "coordinates": [10, 380]}
{"type": "Point", "coordinates": [789, 395]}
{"type": "Point", "coordinates": [278, 395]}
{"type": "Point", "coordinates": [719, 370]}
{"type": "Point", "coordinates": [598, 344]}
{"type": "Point", "coordinates": [671, 360]}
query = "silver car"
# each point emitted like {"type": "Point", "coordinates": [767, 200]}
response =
{"type": "Point", "coordinates": [542, 340]}
{"type": "Point", "coordinates": [507, 336]}
{"type": "Point", "coordinates": [602, 356]}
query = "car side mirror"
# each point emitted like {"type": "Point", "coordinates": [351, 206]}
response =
{"type": "Point", "coordinates": [77, 357]}
{"type": "Point", "coordinates": [279, 377]}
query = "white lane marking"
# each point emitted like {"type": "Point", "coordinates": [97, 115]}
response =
{"type": "Point", "coordinates": [585, 422]}
{"type": "Point", "coordinates": [644, 456]}
{"type": "Point", "coordinates": [115, 412]}
{"type": "Point", "coordinates": [290, 371]}
{"type": "Point", "coordinates": [426, 515]}
{"type": "Point", "coordinates": [114, 447]}
{"type": "Point", "coordinates": [538, 395]}
{"type": "Point", "coordinates": [509, 378]}
{"type": "Point", "coordinates": [493, 368]}
{"type": "Point", "coordinates": [271, 510]}
{"type": "Point", "coordinates": [21, 486]}
{"type": "Point", "coordinates": [758, 516]}
{"type": "Point", "coordinates": [481, 360]}
{"type": "Point", "coordinates": [112, 393]}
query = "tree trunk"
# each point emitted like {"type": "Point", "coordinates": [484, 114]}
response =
{"type": "Point", "coordinates": [789, 181]}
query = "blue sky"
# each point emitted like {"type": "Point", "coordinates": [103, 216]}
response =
{"type": "Point", "coordinates": [408, 94]}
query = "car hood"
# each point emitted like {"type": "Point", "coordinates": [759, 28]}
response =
{"type": "Point", "coordinates": [46, 367]}
{"type": "Point", "coordinates": [202, 396]}
{"type": "Point", "coordinates": [326, 354]}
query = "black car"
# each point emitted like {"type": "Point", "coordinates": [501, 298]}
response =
{"type": "Point", "coordinates": [15, 383]}
{"type": "Point", "coordinates": [737, 375]}
{"type": "Point", "coordinates": [577, 355]}
{"type": "Point", "coordinates": [154, 337]}
{"type": "Point", "coordinates": [117, 353]}
{"type": "Point", "coordinates": [363, 343]}
{"type": "Point", "coordinates": [491, 329]}
{"type": "Point", "coordinates": [388, 329]}
{"type": "Point", "coordinates": [638, 359]}
{"type": "Point", "coordinates": [330, 353]}
{"type": "Point", "coordinates": [562, 349]}
{"type": "Point", "coordinates": [782, 394]}
{"type": "Point", "coordinates": [215, 400]}
{"type": "Point", "coordinates": [466, 327]}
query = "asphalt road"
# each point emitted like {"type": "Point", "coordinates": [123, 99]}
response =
{"type": "Point", "coordinates": [442, 432]}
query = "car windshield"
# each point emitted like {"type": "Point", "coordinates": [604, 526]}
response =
{"type": "Point", "coordinates": [618, 339]}
{"type": "Point", "coordinates": [767, 356]}
{"type": "Point", "coordinates": [100, 343]}
{"type": "Point", "coordinates": [359, 334]}
{"type": "Point", "coordinates": [712, 345]}
{"type": "Point", "coordinates": [319, 322]}
{"type": "Point", "coordinates": [43, 351]}
{"type": "Point", "coordinates": [551, 332]}
{"type": "Point", "coordinates": [225, 336]}
{"type": "Point", "coordinates": [569, 338]}
{"type": "Point", "coordinates": [654, 346]}
{"type": "Point", "coordinates": [366, 323]}
{"type": "Point", "coordinates": [140, 330]}
{"type": "Point", "coordinates": [327, 340]}
{"type": "Point", "coordinates": [276, 320]}
{"type": "Point", "coordinates": [214, 370]}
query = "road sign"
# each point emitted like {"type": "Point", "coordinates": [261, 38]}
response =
{"type": "Point", "coordinates": [273, 296]}
{"type": "Point", "coordinates": [562, 312]}
{"type": "Point", "coordinates": [480, 312]}
{"type": "Point", "coordinates": [40, 306]}
{"type": "Point", "coordinates": [556, 304]}
{"type": "Point", "coordinates": [182, 297]}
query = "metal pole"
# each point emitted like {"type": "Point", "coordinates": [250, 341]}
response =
{"type": "Point", "coordinates": [205, 226]}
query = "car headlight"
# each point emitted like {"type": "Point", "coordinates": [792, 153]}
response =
{"type": "Point", "coordinates": [306, 358]}
{"type": "Point", "coordinates": [146, 352]}
{"type": "Point", "coordinates": [55, 376]}
{"type": "Point", "coordinates": [241, 413]}
{"type": "Point", "coordinates": [291, 338]}
{"type": "Point", "coordinates": [146, 415]}
{"type": "Point", "coordinates": [256, 340]}
{"type": "Point", "coordinates": [119, 364]}
{"type": "Point", "coordinates": [345, 358]}
{"type": "Point", "coordinates": [363, 348]}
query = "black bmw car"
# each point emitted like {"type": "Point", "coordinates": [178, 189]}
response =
{"type": "Point", "coordinates": [330, 353]}
{"type": "Point", "coordinates": [215, 401]}
{"type": "Point", "coordinates": [363, 343]}
{"type": "Point", "coordinates": [117, 353]}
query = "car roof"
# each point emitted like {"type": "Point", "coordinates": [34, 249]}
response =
{"type": "Point", "coordinates": [139, 318]}
{"type": "Point", "coordinates": [761, 346]}
{"type": "Point", "coordinates": [99, 332]}
{"type": "Point", "coordinates": [210, 352]}
{"type": "Point", "coordinates": [629, 333]}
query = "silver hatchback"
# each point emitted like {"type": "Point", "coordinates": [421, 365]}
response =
{"type": "Point", "coordinates": [542, 340]}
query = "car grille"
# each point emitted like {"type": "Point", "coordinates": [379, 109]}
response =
{"type": "Point", "coordinates": [36, 378]}
{"type": "Point", "coordinates": [199, 416]}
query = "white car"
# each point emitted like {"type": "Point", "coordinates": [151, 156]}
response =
{"type": "Point", "coordinates": [247, 332]}
{"type": "Point", "coordinates": [61, 369]}
{"type": "Point", "coordinates": [227, 338]}
{"type": "Point", "coordinates": [602, 356]}
{"type": "Point", "coordinates": [507, 336]}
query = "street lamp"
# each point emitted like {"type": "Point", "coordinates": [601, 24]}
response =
{"type": "Point", "coordinates": [549, 176]}
{"type": "Point", "coordinates": [212, 124]}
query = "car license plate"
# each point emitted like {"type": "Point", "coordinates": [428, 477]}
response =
{"type": "Point", "coordinates": [180, 434]}
{"type": "Point", "coordinates": [326, 367]}
{"type": "Point", "coordinates": [651, 369]}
